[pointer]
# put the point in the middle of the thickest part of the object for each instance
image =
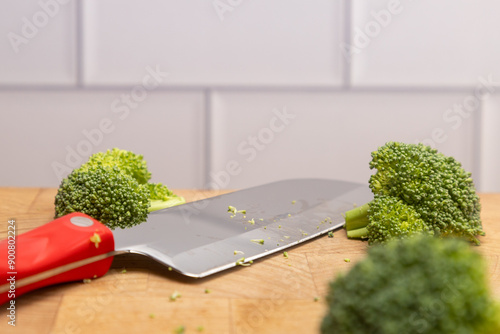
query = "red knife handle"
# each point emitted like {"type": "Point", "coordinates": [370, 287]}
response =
{"type": "Point", "coordinates": [59, 251]}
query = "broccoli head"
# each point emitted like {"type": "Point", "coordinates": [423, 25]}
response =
{"type": "Point", "coordinates": [388, 217]}
{"type": "Point", "coordinates": [437, 187]}
{"type": "Point", "coordinates": [113, 188]}
{"type": "Point", "coordinates": [419, 285]}
{"type": "Point", "coordinates": [104, 193]}
{"type": "Point", "coordinates": [128, 162]}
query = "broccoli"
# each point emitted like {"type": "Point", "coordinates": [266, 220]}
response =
{"type": "Point", "coordinates": [129, 162]}
{"type": "Point", "coordinates": [388, 217]}
{"type": "Point", "coordinates": [113, 188]}
{"type": "Point", "coordinates": [425, 186]}
{"type": "Point", "coordinates": [420, 285]}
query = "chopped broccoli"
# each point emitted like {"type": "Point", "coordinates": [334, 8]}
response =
{"type": "Point", "coordinates": [426, 187]}
{"type": "Point", "coordinates": [112, 187]}
{"type": "Point", "coordinates": [95, 239]}
{"type": "Point", "coordinates": [241, 262]}
{"type": "Point", "coordinates": [420, 285]}
{"type": "Point", "coordinates": [180, 330]}
{"type": "Point", "coordinates": [258, 241]}
{"type": "Point", "coordinates": [175, 295]}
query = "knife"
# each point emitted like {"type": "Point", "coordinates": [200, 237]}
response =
{"type": "Point", "coordinates": [196, 239]}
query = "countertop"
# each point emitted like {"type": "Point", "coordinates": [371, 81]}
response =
{"type": "Point", "coordinates": [273, 295]}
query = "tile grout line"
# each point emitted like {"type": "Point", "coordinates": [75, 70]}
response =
{"type": "Point", "coordinates": [478, 146]}
{"type": "Point", "coordinates": [208, 133]}
{"type": "Point", "coordinates": [346, 38]}
{"type": "Point", "coordinates": [79, 43]}
{"type": "Point", "coordinates": [247, 89]}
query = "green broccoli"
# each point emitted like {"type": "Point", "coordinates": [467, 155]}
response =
{"type": "Point", "coordinates": [113, 188]}
{"type": "Point", "coordinates": [436, 187]}
{"type": "Point", "coordinates": [129, 162]}
{"type": "Point", "coordinates": [420, 285]}
{"type": "Point", "coordinates": [388, 217]}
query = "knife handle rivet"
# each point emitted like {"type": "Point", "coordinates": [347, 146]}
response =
{"type": "Point", "coordinates": [81, 221]}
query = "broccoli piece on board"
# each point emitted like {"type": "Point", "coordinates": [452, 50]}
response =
{"type": "Point", "coordinates": [434, 185]}
{"type": "Point", "coordinates": [388, 218]}
{"type": "Point", "coordinates": [104, 193]}
{"type": "Point", "coordinates": [113, 188]}
{"type": "Point", "coordinates": [419, 285]}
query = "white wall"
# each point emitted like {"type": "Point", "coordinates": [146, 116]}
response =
{"type": "Point", "coordinates": [202, 89]}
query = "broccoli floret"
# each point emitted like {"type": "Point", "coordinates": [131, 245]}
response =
{"type": "Point", "coordinates": [388, 217]}
{"type": "Point", "coordinates": [160, 197]}
{"type": "Point", "coordinates": [112, 187]}
{"type": "Point", "coordinates": [419, 285]}
{"type": "Point", "coordinates": [128, 162]}
{"type": "Point", "coordinates": [104, 193]}
{"type": "Point", "coordinates": [438, 189]}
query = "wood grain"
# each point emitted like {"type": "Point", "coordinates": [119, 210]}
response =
{"type": "Point", "coordinates": [274, 295]}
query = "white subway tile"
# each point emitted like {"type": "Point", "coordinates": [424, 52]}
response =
{"type": "Point", "coordinates": [38, 42]}
{"type": "Point", "coordinates": [424, 43]}
{"type": "Point", "coordinates": [328, 135]}
{"type": "Point", "coordinates": [490, 143]}
{"type": "Point", "coordinates": [43, 133]}
{"type": "Point", "coordinates": [283, 42]}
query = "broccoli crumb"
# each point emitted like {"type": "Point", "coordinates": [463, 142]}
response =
{"type": "Point", "coordinates": [124, 271]}
{"type": "Point", "coordinates": [316, 299]}
{"type": "Point", "coordinates": [152, 315]}
{"type": "Point", "coordinates": [258, 241]}
{"type": "Point", "coordinates": [330, 234]}
{"type": "Point", "coordinates": [180, 330]}
{"type": "Point", "coordinates": [261, 219]}
{"type": "Point", "coordinates": [293, 202]}
{"type": "Point", "coordinates": [289, 215]}
{"type": "Point", "coordinates": [87, 280]}
{"type": "Point", "coordinates": [169, 268]}
{"type": "Point", "coordinates": [241, 262]}
{"type": "Point", "coordinates": [231, 209]}
{"type": "Point", "coordinates": [96, 239]}
{"type": "Point", "coordinates": [200, 328]}
{"type": "Point", "coordinates": [347, 260]}
{"type": "Point", "coordinates": [279, 226]}
{"type": "Point", "coordinates": [174, 296]}
{"type": "Point", "coordinates": [207, 291]}
{"type": "Point", "coordinates": [238, 252]}
{"type": "Point", "coordinates": [252, 221]}
{"type": "Point", "coordinates": [285, 254]}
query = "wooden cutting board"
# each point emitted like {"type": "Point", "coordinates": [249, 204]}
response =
{"type": "Point", "coordinates": [274, 295]}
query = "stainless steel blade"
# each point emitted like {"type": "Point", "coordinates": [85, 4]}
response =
{"type": "Point", "coordinates": [200, 238]}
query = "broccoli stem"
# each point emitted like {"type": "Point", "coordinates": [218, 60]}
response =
{"type": "Point", "coordinates": [360, 233]}
{"type": "Point", "coordinates": [159, 204]}
{"type": "Point", "coordinates": [356, 221]}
